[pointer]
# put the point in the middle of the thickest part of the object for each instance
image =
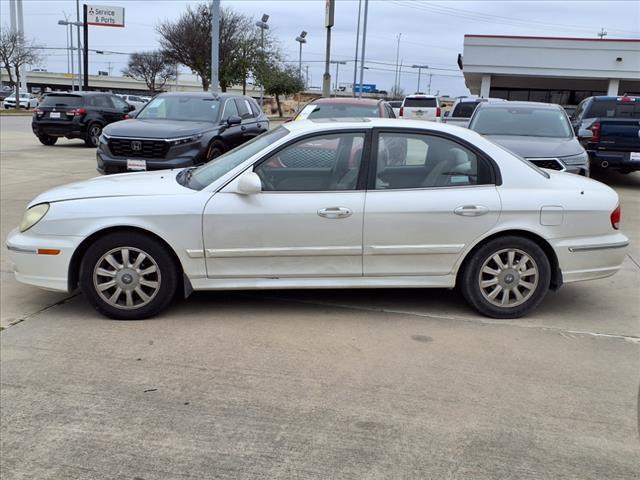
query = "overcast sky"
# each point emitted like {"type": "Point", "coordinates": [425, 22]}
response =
{"type": "Point", "coordinates": [432, 31]}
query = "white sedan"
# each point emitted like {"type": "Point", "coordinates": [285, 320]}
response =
{"type": "Point", "coordinates": [27, 101]}
{"type": "Point", "coordinates": [326, 204]}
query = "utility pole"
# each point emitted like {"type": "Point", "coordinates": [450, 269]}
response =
{"type": "Point", "coordinates": [78, 24]}
{"type": "Point", "coordinates": [602, 34]}
{"type": "Point", "coordinates": [263, 26]}
{"type": "Point", "coordinates": [328, 23]}
{"type": "Point", "coordinates": [364, 42]}
{"type": "Point", "coordinates": [215, 46]}
{"type": "Point", "coordinates": [396, 81]}
{"type": "Point", "coordinates": [419, 67]}
{"type": "Point", "coordinates": [355, 62]}
{"type": "Point", "coordinates": [85, 68]}
{"type": "Point", "coordinates": [429, 91]}
{"type": "Point", "coordinates": [23, 75]}
{"type": "Point", "coordinates": [307, 77]}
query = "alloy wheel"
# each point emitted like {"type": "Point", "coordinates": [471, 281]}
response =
{"type": "Point", "coordinates": [508, 278]}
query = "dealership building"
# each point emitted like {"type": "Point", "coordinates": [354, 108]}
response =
{"type": "Point", "coordinates": [550, 69]}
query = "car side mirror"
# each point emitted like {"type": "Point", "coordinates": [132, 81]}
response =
{"type": "Point", "coordinates": [131, 108]}
{"type": "Point", "coordinates": [585, 134]}
{"type": "Point", "coordinates": [249, 183]}
{"type": "Point", "coordinates": [234, 120]}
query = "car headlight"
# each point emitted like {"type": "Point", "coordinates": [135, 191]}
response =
{"type": "Point", "coordinates": [104, 138]}
{"type": "Point", "coordinates": [33, 215]}
{"type": "Point", "coordinates": [183, 140]}
{"type": "Point", "coordinates": [579, 159]}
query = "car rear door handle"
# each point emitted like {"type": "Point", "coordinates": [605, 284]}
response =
{"type": "Point", "coordinates": [335, 212]}
{"type": "Point", "coordinates": [471, 210]}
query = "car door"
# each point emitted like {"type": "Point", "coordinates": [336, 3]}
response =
{"type": "Point", "coordinates": [307, 220]}
{"type": "Point", "coordinates": [232, 135]}
{"type": "Point", "coordinates": [262, 123]}
{"type": "Point", "coordinates": [119, 108]}
{"type": "Point", "coordinates": [248, 125]}
{"type": "Point", "coordinates": [429, 198]}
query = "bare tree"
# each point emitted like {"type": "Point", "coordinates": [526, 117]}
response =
{"type": "Point", "coordinates": [151, 67]}
{"type": "Point", "coordinates": [187, 40]}
{"type": "Point", "coordinates": [15, 52]}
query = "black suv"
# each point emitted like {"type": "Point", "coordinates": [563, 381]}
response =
{"type": "Point", "coordinates": [180, 130]}
{"type": "Point", "coordinates": [77, 115]}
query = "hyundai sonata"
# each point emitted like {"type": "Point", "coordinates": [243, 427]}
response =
{"type": "Point", "coordinates": [326, 204]}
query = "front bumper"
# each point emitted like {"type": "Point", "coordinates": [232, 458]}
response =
{"type": "Point", "coordinates": [590, 258]}
{"type": "Point", "coordinates": [108, 163]}
{"type": "Point", "coordinates": [50, 272]}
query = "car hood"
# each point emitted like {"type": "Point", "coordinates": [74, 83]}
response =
{"type": "Point", "coordinates": [161, 182]}
{"type": "Point", "coordinates": [134, 128]}
{"type": "Point", "coordinates": [538, 147]}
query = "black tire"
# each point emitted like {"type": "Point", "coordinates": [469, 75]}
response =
{"type": "Point", "coordinates": [214, 150]}
{"type": "Point", "coordinates": [165, 275]}
{"type": "Point", "coordinates": [512, 279]}
{"type": "Point", "coordinates": [47, 140]}
{"type": "Point", "coordinates": [93, 134]}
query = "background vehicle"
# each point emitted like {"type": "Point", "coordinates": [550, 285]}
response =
{"type": "Point", "coordinates": [180, 130]}
{"type": "Point", "coordinates": [456, 209]}
{"type": "Point", "coordinates": [539, 132]}
{"type": "Point", "coordinates": [421, 107]}
{"type": "Point", "coordinates": [345, 108]}
{"type": "Point", "coordinates": [570, 109]}
{"type": "Point", "coordinates": [77, 115]}
{"type": "Point", "coordinates": [134, 100]}
{"type": "Point", "coordinates": [27, 101]}
{"type": "Point", "coordinates": [609, 129]}
{"type": "Point", "coordinates": [5, 91]}
{"type": "Point", "coordinates": [463, 109]}
{"type": "Point", "coordinates": [395, 104]}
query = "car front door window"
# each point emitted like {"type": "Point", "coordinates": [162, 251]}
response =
{"type": "Point", "coordinates": [230, 110]}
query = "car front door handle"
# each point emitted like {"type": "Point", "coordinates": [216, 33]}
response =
{"type": "Point", "coordinates": [335, 212]}
{"type": "Point", "coordinates": [243, 128]}
{"type": "Point", "coordinates": [471, 210]}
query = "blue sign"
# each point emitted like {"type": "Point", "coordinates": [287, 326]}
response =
{"type": "Point", "coordinates": [366, 88]}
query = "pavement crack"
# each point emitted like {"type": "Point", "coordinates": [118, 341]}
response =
{"type": "Point", "coordinates": [633, 260]}
{"type": "Point", "coordinates": [43, 309]}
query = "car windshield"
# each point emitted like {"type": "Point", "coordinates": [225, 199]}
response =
{"type": "Point", "coordinates": [522, 121]}
{"type": "Point", "coordinates": [182, 108]}
{"type": "Point", "coordinates": [338, 110]}
{"type": "Point", "coordinates": [60, 100]}
{"type": "Point", "coordinates": [212, 171]}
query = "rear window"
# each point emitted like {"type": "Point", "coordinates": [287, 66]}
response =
{"type": "Point", "coordinates": [464, 110]}
{"type": "Point", "coordinates": [395, 104]}
{"type": "Point", "coordinates": [339, 110]}
{"type": "Point", "coordinates": [61, 100]}
{"type": "Point", "coordinates": [420, 102]}
{"type": "Point", "coordinates": [613, 109]}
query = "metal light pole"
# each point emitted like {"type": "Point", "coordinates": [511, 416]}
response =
{"type": "Point", "coordinates": [215, 46]}
{"type": "Point", "coordinates": [263, 26]}
{"type": "Point", "coordinates": [79, 24]}
{"type": "Point", "coordinates": [301, 39]}
{"type": "Point", "coordinates": [337, 63]}
{"type": "Point", "coordinates": [364, 42]}
{"type": "Point", "coordinates": [71, 25]}
{"type": "Point", "coordinates": [429, 88]}
{"type": "Point", "coordinates": [355, 63]}
{"type": "Point", "coordinates": [396, 80]}
{"type": "Point", "coordinates": [328, 23]}
{"type": "Point", "coordinates": [419, 67]}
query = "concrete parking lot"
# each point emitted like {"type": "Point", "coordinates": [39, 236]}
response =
{"type": "Point", "coordinates": [313, 384]}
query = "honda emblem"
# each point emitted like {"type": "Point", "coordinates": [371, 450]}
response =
{"type": "Point", "coordinates": [136, 145]}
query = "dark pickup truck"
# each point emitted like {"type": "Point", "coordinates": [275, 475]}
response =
{"type": "Point", "coordinates": [609, 130]}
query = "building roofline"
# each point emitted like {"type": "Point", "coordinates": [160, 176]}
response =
{"type": "Point", "coordinates": [577, 39]}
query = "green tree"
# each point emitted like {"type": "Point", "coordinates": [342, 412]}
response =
{"type": "Point", "coordinates": [281, 80]}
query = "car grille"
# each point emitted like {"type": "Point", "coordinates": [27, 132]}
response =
{"type": "Point", "coordinates": [549, 163]}
{"type": "Point", "coordinates": [123, 147]}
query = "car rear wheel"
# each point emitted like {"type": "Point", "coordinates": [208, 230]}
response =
{"type": "Point", "coordinates": [506, 278]}
{"type": "Point", "coordinates": [93, 135]}
{"type": "Point", "coordinates": [128, 276]}
{"type": "Point", "coordinates": [47, 140]}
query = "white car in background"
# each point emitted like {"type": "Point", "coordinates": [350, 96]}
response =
{"type": "Point", "coordinates": [136, 101]}
{"type": "Point", "coordinates": [444, 207]}
{"type": "Point", "coordinates": [421, 107]}
{"type": "Point", "coordinates": [27, 101]}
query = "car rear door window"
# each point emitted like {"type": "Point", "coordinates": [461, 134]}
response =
{"type": "Point", "coordinates": [101, 101]}
{"type": "Point", "coordinates": [414, 160]}
{"type": "Point", "coordinates": [320, 163]}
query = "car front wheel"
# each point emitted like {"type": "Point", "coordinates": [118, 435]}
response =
{"type": "Point", "coordinates": [506, 278]}
{"type": "Point", "coordinates": [128, 276]}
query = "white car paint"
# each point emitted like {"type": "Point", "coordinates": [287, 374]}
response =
{"type": "Point", "coordinates": [421, 107]}
{"type": "Point", "coordinates": [393, 238]}
{"type": "Point", "coordinates": [27, 101]}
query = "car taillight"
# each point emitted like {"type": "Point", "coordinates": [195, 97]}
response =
{"type": "Point", "coordinates": [37, 111]}
{"type": "Point", "coordinates": [125, 117]}
{"type": "Point", "coordinates": [77, 112]}
{"type": "Point", "coordinates": [616, 215]}
{"type": "Point", "coordinates": [402, 111]}
{"type": "Point", "coordinates": [595, 129]}
{"type": "Point", "coordinates": [438, 111]}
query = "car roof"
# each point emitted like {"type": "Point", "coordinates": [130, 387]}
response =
{"type": "Point", "coordinates": [617, 98]}
{"type": "Point", "coordinates": [201, 95]}
{"type": "Point", "coordinates": [347, 101]}
{"type": "Point", "coordinates": [420, 95]}
{"type": "Point", "coordinates": [76, 94]}
{"type": "Point", "coordinates": [319, 124]}
{"type": "Point", "coordinates": [510, 104]}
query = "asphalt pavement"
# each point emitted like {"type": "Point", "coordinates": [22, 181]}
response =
{"type": "Point", "coordinates": [312, 384]}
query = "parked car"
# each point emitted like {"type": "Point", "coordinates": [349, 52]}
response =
{"type": "Point", "coordinates": [458, 210]}
{"type": "Point", "coordinates": [609, 128]}
{"type": "Point", "coordinates": [5, 91]}
{"type": "Point", "coordinates": [570, 109]}
{"type": "Point", "coordinates": [27, 101]}
{"type": "Point", "coordinates": [134, 100]}
{"type": "Point", "coordinates": [421, 107]}
{"type": "Point", "coordinates": [179, 130]}
{"type": "Point", "coordinates": [77, 115]}
{"type": "Point", "coordinates": [463, 108]}
{"type": "Point", "coordinates": [345, 108]}
{"type": "Point", "coordinates": [539, 132]}
{"type": "Point", "coordinates": [395, 105]}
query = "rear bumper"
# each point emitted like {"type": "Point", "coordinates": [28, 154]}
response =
{"type": "Point", "coordinates": [590, 258]}
{"type": "Point", "coordinates": [69, 129]}
{"type": "Point", "coordinates": [616, 160]}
